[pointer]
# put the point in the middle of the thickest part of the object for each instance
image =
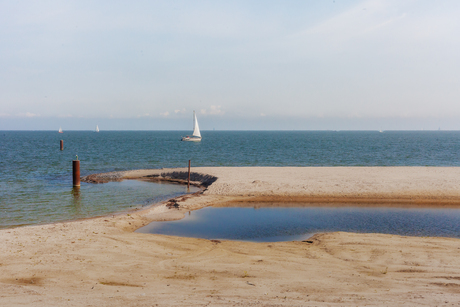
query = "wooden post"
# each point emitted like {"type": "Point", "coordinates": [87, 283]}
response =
{"type": "Point", "coordinates": [76, 172]}
{"type": "Point", "coordinates": [188, 181]}
{"type": "Point", "coordinates": [62, 144]}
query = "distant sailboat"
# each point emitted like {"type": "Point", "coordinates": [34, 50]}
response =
{"type": "Point", "coordinates": [97, 128]}
{"type": "Point", "coordinates": [196, 136]}
{"type": "Point", "coordinates": [60, 130]}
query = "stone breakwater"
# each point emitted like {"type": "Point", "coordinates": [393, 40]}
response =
{"type": "Point", "coordinates": [176, 175]}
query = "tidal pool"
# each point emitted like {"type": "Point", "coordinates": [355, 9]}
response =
{"type": "Point", "coordinates": [63, 203]}
{"type": "Point", "coordinates": [262, 223]}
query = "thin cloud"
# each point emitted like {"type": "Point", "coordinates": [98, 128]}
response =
{"type": "Point", "coordinates": [213, 110]}
{"type": "Point", "coordinates": [180, 111]}
{"type": "Point", "coordinates": [65, 115]}
{"type": "Point", "coordinates": [28, 114]}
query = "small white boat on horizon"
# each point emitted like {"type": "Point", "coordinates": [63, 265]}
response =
{"type": "Point", "coordinates": [60, 130]}
{"type": "Point", "coordinates": [196, 136]}
{"type": "Point", "coordinates": [97, 129]}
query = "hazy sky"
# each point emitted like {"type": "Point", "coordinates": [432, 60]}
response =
{"type": "Point", "coordinates": [240, 64]}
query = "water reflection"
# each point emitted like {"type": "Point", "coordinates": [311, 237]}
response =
{"type": "Point", "coordinates": [76, 193]}
{"type": "Point", "coordinates": [260, 223]}
{"type": "Point", "coordinates": [76, 199]}
{"type": "Point", "coordinates": [67, 203]}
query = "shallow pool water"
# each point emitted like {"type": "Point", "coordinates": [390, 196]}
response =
{"type": "Point", "coordinates": [271, 224]}
{"type": "Point", "coordinates": [87, 201]}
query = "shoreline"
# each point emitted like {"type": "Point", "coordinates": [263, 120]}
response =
{"type": "Point", "coordinates": [102, 261]}
{"type": "Point", "coordinates": [356, 185]}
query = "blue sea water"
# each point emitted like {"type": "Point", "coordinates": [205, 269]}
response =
{"type": "Point", "coordinates": [36, 184]}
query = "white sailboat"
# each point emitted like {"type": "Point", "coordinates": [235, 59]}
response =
{"type": "Point", "coordinates": [196, 136]}
{"type": "Point", "coordinates": [97, 128]}
{"type": "Point", "coordinates": [60, 130]}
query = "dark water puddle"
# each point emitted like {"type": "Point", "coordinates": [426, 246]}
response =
{"type": "Point", "coordinates": [272, 224]}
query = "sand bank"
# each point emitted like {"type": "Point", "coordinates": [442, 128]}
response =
{"type": "Point", "coordinates": [411, 185]}
{"type": "Point", "coordinates": [101, 262]}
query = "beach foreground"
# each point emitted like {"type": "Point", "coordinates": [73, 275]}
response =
{"type": "Point", "coordinates": [102, 262]}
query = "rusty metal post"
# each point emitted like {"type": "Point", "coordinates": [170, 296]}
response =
{"type": "Point", "coordinates": [76, 172]}
{"type": "Point", "coordinates": [188, 181]}
{"type": "Point", "coordinates": [62, 144]}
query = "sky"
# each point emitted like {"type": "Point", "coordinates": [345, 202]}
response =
{"type": "Point", "coordinates": [241, 65]}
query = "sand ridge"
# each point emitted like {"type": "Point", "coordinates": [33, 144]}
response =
{"type": "Point", "coordinates": [101, 261]}
{"type": "Point", "coordinates": [431, 185]}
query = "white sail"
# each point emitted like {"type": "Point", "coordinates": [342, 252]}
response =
{"type": "Point", "coordinates": [60, 130]}
{"type": "Point", "coordinates": [196, 136]}
{"type": "Point", "coordinates": [97, 128]}
{"type": "Point", "coordinates": [196, 129]}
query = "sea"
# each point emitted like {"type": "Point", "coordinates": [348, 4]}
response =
{"type": "Point", "coordinates": [36, 176]}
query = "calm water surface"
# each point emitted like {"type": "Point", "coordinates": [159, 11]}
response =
{"type": "Point", "coordinates": [36, 184]}
{"type": "Point", "coordinates": [291, 223]}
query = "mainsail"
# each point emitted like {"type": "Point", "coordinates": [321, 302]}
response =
{"type": "Point", "coordinates": [196, 129]}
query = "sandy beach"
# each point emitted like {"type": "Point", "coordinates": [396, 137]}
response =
{"type": "Point", "coordinates": [103, 262]}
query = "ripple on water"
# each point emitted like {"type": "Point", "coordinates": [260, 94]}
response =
{"type": "Point", "coordinates": [87, 201]}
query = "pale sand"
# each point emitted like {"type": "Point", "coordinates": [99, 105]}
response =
{"type": "Point", "coordinates": [101, 262]}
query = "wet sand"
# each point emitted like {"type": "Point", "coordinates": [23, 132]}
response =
{"type": "Point", "coordinates": [102, 262]}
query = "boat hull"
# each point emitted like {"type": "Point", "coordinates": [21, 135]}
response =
{"type": "Point", "coordinates": [191, 139]}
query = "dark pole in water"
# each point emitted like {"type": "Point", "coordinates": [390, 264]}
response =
{"type": "Point", "coordinates": [76, 172]}
{"type": "Point", "coordinates": [188, 182]}
{"type": "Point", "coordinates": [62, 144]}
